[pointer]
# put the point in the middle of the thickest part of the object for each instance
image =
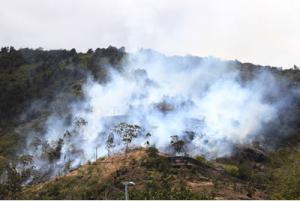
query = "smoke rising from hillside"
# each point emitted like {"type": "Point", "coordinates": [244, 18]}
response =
{"type": "Point", "coordinates": [165, 96]}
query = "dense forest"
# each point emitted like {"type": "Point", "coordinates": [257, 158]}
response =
{"type": "Point", "coordinates": [36, 82]}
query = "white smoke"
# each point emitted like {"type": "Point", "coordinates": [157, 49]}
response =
{"type": "Point", "coordinates": [166, 96]}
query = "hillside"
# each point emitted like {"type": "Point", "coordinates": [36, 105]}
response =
{"type": "Point", "coordinates": [154, 176]}
{"type": "Point", "coordinates": [62, 112]}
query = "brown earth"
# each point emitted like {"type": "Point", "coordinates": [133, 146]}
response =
{"type": "Point", "coordinates": [112, 170]}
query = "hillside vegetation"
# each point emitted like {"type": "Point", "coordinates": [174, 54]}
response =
{"type": "Point", "coordinates": [36, 82]}
{"type": "Point", "coordinates": [154, 176]}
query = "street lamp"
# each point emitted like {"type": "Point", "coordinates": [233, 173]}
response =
{"type": "Point", "coordinates": [126, 183]}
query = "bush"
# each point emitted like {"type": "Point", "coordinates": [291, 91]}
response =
{"type": "Point", "coordinates": [160, 194]}
{"type": "Point", "coordinates": [200, 158]}
{"type": "Point", "coordinates": [10, 185]}
{"type": "Point", "coordinates": [152, 152]}
{"type": "Point", "coordinates": [158, 163]}
{"type": "Point", "coordinates": [285, 181]}
{"type": "Point", "coordinates": [231, 169]}
{"type": "Point", "coordinates": [163, 187]}
{"type": "Point", "coordinates": [245, 171]}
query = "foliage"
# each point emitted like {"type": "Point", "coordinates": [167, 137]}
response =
{"type": "Point", "coordinates": [200, 158]}
{"type": "Point", "coordinates": [165, 187]}
{"type": "Point", "coordinates": [36, 74]}
{"type": "Point", "coordinates": [152, 152]}
{"type": "Point", "coordinates": [177, 144]}
{"type": "Point", "coordinates": [127, 132]}
{"type": "Point", "coordinates": [9, 142]}
{"type": "Point", "coordinates": [285, 177]}
{"type": "Point", "coordinates": [231, 169]}
{"type": "Point", "coordinates": [154, 161]}
{"type": "Point", "coordinates": [245, 171]}
{"type": "Point", "coordinates": [28, 74]}
{"type": "Point", "coordinates": [10, 181]}
{"type": "Point", "coordinates": [161, 194]}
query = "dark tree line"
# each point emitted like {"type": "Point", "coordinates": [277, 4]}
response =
{"type": "Point", "coordinates": [28, 74]}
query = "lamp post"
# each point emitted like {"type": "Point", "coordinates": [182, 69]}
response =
{"type": "Point", "coordinates": [126, 183]}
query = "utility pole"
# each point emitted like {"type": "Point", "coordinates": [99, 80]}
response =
{"type": "Point", "coordinates": [126, 183]}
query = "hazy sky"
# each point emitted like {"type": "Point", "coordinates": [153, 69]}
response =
{"type": "Point", "coordinates": [264, 32]}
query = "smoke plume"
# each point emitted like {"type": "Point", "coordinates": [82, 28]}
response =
{"type": "Point", "coordinates": [165, 96]}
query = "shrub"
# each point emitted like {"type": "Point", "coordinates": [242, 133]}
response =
{"type": "Point", "coordinates": [285, 181]}
{"type": "Point", "coordinates": [152, 152]}
{"type": "Point", "coordinates": [231, 169]}
{"type": "Point", "coordinates": [200, 158]}
{"type": "Point", "coordinates": [245, 171]}
{"type": "Point", "coordinates": [161, 194]}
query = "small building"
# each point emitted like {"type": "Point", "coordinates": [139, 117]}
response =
{"type": "Point", "coordinates": [184, 161]}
